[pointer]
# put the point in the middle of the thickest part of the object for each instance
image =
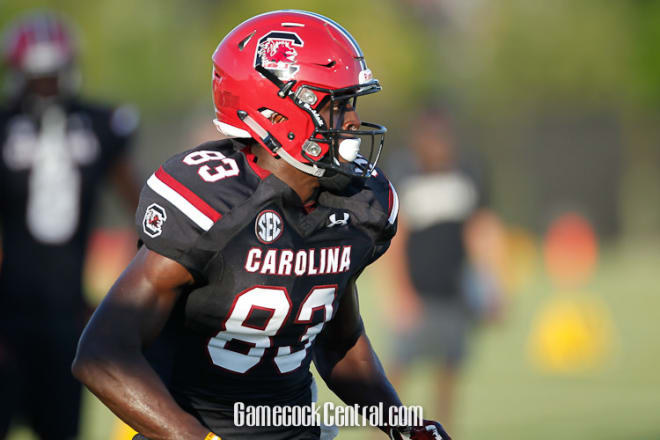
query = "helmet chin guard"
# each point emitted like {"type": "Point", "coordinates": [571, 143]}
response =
{"type": "Point", "coordinates": [274, 73]}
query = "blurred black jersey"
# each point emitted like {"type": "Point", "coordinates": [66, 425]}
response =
{"type": "Point", "coordinates": [269, 272]}
{"type": "Point", "coordinates": [438, 205]}
{"type": "Point", "coordinates": [51, 166]}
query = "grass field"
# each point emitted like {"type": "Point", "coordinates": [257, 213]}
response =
{"type": "Point", "coordinates": [503, 396]}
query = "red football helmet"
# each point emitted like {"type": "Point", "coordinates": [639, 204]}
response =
{"type": "Point", "coordinates": [41, 44]}
{"type": "Point", "coordinates": [272, 75]}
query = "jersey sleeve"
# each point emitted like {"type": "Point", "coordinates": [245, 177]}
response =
{"type": "Point", "coordinates": [180, 203]}
{"type": "Point", "coordinates": [172, 218]}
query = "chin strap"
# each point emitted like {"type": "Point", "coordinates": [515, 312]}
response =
{"type": "Point", "coordinates": [274, 146]}
{"type": "Point", "coordinates": [309, 169]}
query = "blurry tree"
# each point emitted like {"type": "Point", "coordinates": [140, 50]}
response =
{"type": "Point", "coordinates": [512, 68]}
{"type": "Point", "coordinates": [157, 52]}
{"type": "Point", "coordinates": [589, 69]}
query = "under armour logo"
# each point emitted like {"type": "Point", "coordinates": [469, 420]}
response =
{"type": "Point", "coordinates": [338, 222]}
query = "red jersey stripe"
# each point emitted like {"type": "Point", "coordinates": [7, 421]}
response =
{"type": "Point", "coordinates": [190, 196]}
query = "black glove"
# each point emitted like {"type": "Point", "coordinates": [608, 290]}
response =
{"type": "Point", "coordinates": [430, 430]}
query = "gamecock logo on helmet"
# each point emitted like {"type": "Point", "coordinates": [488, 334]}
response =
{"type": "Point", "coordinates": [276, 52]}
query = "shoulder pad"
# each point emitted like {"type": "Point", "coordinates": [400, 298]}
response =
{"type": "Point", "coordinates": [206, 182]}
{"type": "Point", "coordinates": [385, 194]}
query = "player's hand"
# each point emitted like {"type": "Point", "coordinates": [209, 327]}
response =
{"type": "Point", "coordinates": [429, 431]}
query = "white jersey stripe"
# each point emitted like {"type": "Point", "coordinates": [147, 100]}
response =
{"type": "Point", "coordinates": [194, 214]}
{"type": "Point", "coordinates": [395, 205]}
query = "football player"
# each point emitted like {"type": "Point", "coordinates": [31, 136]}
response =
{"type": "Point", "coordinates": [251, 247]}
{"type": "Point", "coordinates": [55, 151]}
{"type": "Point", "coordinates": [444, 261]}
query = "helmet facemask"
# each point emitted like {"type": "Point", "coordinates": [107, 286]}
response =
{"type": "Point", "coordinates": [353, 152]}
{"type": "Point", "coordinates": [345, 148]}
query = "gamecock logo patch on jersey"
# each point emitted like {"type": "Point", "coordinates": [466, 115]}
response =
{"type": "Point", "coordinates": [276, 51]}
{"type": "Point", "coordinates": [154, 218]}
{"type": "Point", "coordinates": [269, 226]}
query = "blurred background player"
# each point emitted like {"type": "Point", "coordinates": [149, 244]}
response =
{"type": "Point", "coordinates": [55, 151]}
{"type": "Point", "coordinates": [444, 258]}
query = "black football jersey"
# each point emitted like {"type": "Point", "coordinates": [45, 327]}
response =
{"type": "Point", "coordinates": [269, 274]}
{"type": "Point", "coordinates": [51, 167]}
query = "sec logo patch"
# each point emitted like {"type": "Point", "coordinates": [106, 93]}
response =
{"type": "Point", "coordinates": [268, 227]}
{"type": "Point", "coordinates": [154, 218]}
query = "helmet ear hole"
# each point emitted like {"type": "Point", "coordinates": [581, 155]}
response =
{"type": "Point", "coordinates": [273, 116]}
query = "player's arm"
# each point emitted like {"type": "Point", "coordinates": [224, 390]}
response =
{"type": "Point", "coordinates": [485, 242]}
{"type": "Point", "coordinates": [349, 366]}
{"type": "Point", "coordinates": [345, 359]}
{"type": "Point", "coordinates": [342, 353]}
{"type": "Point", "coordinates": [110, 361]}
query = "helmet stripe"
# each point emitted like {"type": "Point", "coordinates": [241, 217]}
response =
{"type": "Point", "coordinates": [339, 28]}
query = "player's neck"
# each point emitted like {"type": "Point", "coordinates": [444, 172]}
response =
{"type": "Point", "coordinates": [302, 183]}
